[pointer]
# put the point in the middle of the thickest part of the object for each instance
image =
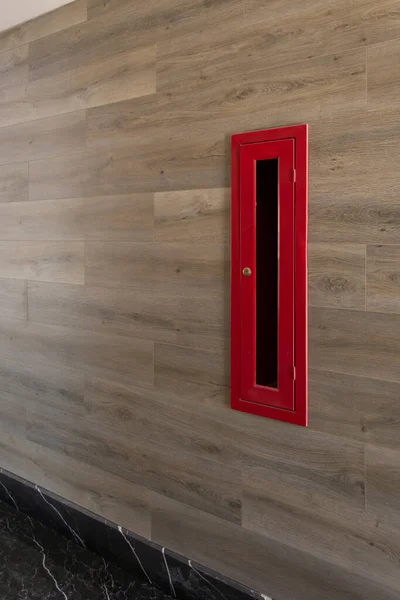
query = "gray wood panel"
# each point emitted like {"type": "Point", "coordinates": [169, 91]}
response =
{"type": "Point", "coordinates": [357, 408]}
{"type": "Point", "coordinates": [126, 217]}
{"type": "Point", "coordinates": [171, 317]}
{"type": "Point", "coordinates": [383, 278]}
{"type": "Point", "coordinates": [197, 482]}
{"type": "Point", "coordinates": [109, 497]}
{"type": "Point", "coordinates": [118, 358]}
{"type": "Point", "coordinates": [13, 299]}
{"type": "Point", "coordinates": [115, 78]}
{"type": "Point", "coordinates": [383, 484]}
{"type": "Point", "coordinates": [115, 128]}
{"type": "Point", "coordinates": [56, 136]}
{"type": "Point", "coordinates": [14, 184]}
{"type": "Point", "coordinates": [337, 275]}
{"type": "Point", "coordinates": [383, 76]}
{"type": "Point", "coordinates": [158, 266]}
{"type": "Point", "coordinates": [61, 262]}
{"type": "Point", "coordinates": [50, 23]}
{"type": "Point", "coordinates": [351, 342]}
{"type": "Point", "coordinates": [258, 560]}
{"type": "Point", "coordinates": [14, 67]}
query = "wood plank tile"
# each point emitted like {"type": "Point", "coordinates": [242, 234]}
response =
{"type": "Point", "coordinates": [189, 426]}
{"type": "Point", "coordinates": [41, 383]}
{"type": "Point", "coordinates": [158, 267]}
{"type": "Point", "coordinates": [49, 23]}
{"type": "Point", "coordinates": [354, 186]}
{"type": "Point", "coordinates": [337, 275]}
{"type": "Point", "coordinates": [175, 421]}
{"type": "Point", "coordinates": [314, 88]}
{"type": "Point", "coordinates": [357, 408]}
{"type": "Point", "coordinates": [383, 484]}
{"type": "Point", "coordinates": [353, 343]}
{"type": "Point", "coordinates": [383, 77]}
{"type": "Point", "coordinates": [188, 320]}
{"type": "Point", "coordinates": [192, 216]}
{"type": "Point", "coordinates": [272, 34]}
{"type": "Point", "coordinates": [345, 538]}
{"type": "Point", "coordinates": [383, 278]}
{"type": "Point", "coordinates": [61, 262]}
{"type": "Point", "coordinates": [198, 374]}
{"type": "Point", "coordinates": [13, 299]}
{"type": "Point", "coordinates": [55, 136]}
{"type": "Point", "coordinates": [114, 357]}
{"type": "Point", "coordinates": [196, 482]}
{"type": "Point", "coordinates": [120, 27]}
{"type": "Point", "coordinates": [101, 218]}
{"type": "Point", "coordinates": [184, 163]}
{"type": "Point", "coordinates": [106, 495]}
{"type": "Point", "coordinates": [116, 78]}
{"type": "Point", "coordinates": [14, 67]}
{"type": "Point", "coordinates": [272, 567]}
{"type": "Point", "coordinates": [14, 182]}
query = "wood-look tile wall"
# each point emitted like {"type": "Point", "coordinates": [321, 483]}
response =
{"type": "Point", "coordinates": [115, 124]}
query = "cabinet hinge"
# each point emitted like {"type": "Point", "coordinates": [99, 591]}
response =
{"type": "Point", "coordinates": [294, 373]}
{"type": "Point", "coordinates": [294, 175]}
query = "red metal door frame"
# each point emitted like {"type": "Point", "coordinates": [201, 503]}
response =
{"type": "Point", "coordinates": [289, 402]}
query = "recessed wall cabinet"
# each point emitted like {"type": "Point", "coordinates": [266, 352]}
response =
{"type": "Point", "coordinates": [269, 273]}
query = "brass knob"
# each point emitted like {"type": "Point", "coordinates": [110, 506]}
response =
{"type": "Point", "coordinates": [246, 271]}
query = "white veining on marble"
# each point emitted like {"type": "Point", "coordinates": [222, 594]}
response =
{"type": "Point", "coordinates": [205, 579]}
{"type": "Point", "coordinates": [46, 567]}
{"type": "Point", "coordinates": [169, 574]}
{"type": "Point", "coordinates": [9, 495]}
{"type": "Point", "coordinates": [74, 533]}
{"type": "Point", "coordinates": [133, 552]}
{"type": "Point", "coordinates": [107, 595]}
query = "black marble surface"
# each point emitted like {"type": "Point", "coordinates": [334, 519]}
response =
{"type": "Point", "coordinates": [37, 563]}
{"type": "Point", "coordinates": [70, 553]}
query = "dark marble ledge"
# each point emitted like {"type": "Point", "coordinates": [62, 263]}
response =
{"type": "Point", "coordinates": [37, 563]}
{"type": "Point", "coordinates": [144, 561]}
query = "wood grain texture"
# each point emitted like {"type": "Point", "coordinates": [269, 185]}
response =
{"type": "Point", "coordinates": [282, 35]}
{"type": "Point", "coordinates": [13, 299]}
{"type": "Point", "coordinates": [115, 78]}
{"type": "Point", "coordinates": [196, 482]}
{"type": "Point", "coordinates": [354, 187]}
{"type": "Point", "coordinates": [115, 357]}
{"type": "Point", "coordinates": [383, 484]}
{"type": "Point", "coordinates": [383, 77]}
{"type": "Point", "coordinates": [109, 497]}
{"type": "Point", "coordinates": [158, 266]}
{"type": "Point", "coordinates": [14, 184]}
{"type": "Point", "coordinates": [318, 87]}
{"type": "Point", "coordinates": [383, 278]}
{"type": "Point", "coordinates": [14, 67]}
{"type": "Point", "coordinates": [200, 375]}
{"type": "Point", "coordinates": [351, 342]}
{"type": "Point", "coordinates": [183, 165]}
{"type": "Point", "coordinates": [178, 318]}
{"type": "Point", "coordinates": [115, 127]}
{"type": "Point", "coordinates": [357, 408]}
{"type": "Point", "coordinates": [42, 383]}
{"type": "Point", "coordinates": [257, 560]}
{"type": "Point", "coordinates": [55, 21]}
{"type": "Point", "coordinates": [100, 218]}
{"type": "Point", "coordinates": [338, 535]}
{"type": "Point", "coordinates": [43, 261]}
{"type": "Point", "coordinates": [192, 216]}
{"type": "Point", "coordinates": [337, 275]}
{"type": "Point", "coordinates": [55, 136]}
